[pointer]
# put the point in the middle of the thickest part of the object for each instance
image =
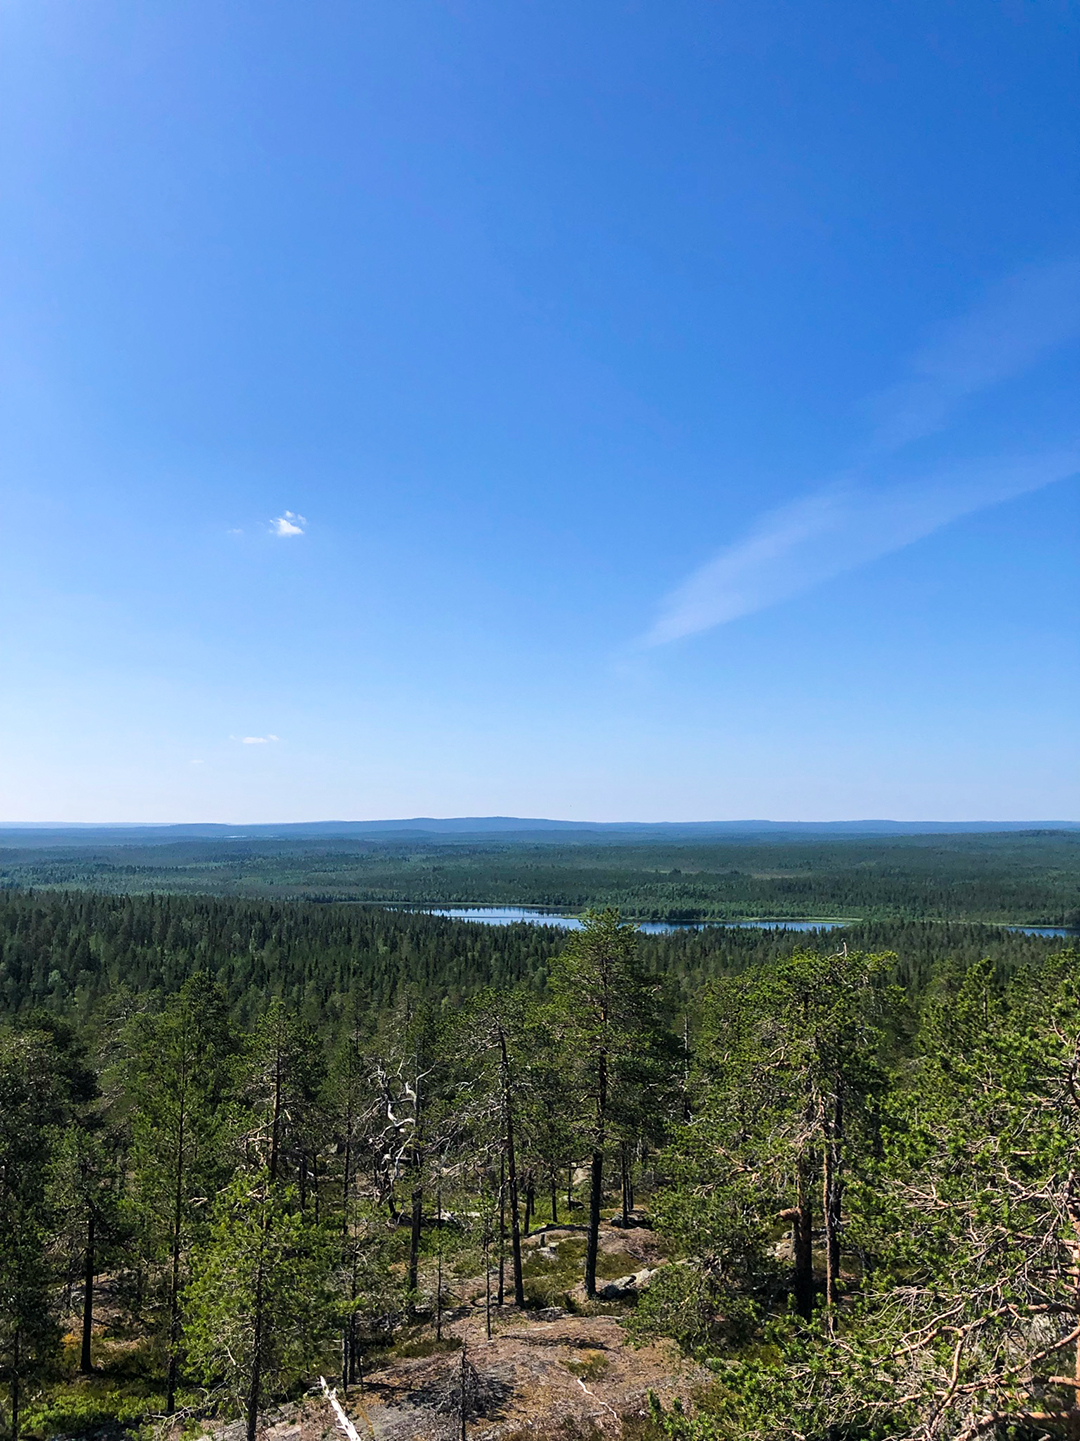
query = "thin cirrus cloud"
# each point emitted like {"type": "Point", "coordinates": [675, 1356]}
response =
{"type": "Point", "coordinates": [1022, 317]}
{"type": "Point", "coordinates": [254, 740]}
{"type": "Point", "coordinates": [288, 524]}
{"type": "Point", "coordinates": [843, 526]}
{"type": "Point", "coordinates": [852, 521]}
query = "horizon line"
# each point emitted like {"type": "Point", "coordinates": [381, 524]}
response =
{"type": "Point", "coordinates": [522, 820]}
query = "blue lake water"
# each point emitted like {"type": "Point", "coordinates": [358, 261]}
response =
{"type": "Point", "coordinates": [537, 916]}
{"type": "Point", "coordinates": [1045, 930]}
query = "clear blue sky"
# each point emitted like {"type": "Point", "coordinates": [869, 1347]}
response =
{"type": "Point", "coordinates": [608, 409]}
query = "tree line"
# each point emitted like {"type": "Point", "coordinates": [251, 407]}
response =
{"type": "Point", "coordinates": [78, 953]}
{"type": "Point", "coordinates": [1019, 878]}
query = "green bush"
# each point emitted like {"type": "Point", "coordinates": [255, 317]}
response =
{"type": "Point", "coordinates": [75, 1412]}
{"type": "Point", "coordinates": [592, 1366]}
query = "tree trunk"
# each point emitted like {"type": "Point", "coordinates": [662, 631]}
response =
{"type": "Point", "coordinates": [255, 1385]}
{"type": "Point", "coordinates": [438, 1278]}
{"type": "Point", "coordinates": [1074, 1420]}
{"type": "Point", "coordinates": [511, 1170]}
{"type": "Point", "coordinates": [627, 1203]}
{"type": "Point", "coordinates": [554, 1200]}
{"type": "Point", "coordinates": [832, 1195]}
{"type": "Point", "coordinates": [463, 1397]}
{"type": "Point", "coordinates": [348, 1335]}
{"type": "Point", "coordinates": [353, 1348]}
{"type": "Point", "coordinates": [596, 1181]}
{"type": "Point", "coordinates": [88, 1298]}
{"type": "Point", "coordinates": [502, 1231]}
{"type": "Point", "coordinates": [414, 1242]}
{"type": "Point", "coordinates": [347, 1332]}
{"type": "Point", "coordinates": [802, 1244]}
{"type": "Point", "coordinates": [15, 1383]}
{"type": "Point", "coordinates": [174, 1288]}
{"type": "Point", "coordinates": [275, 1124]}
{"type": "Point", "coordinates": [686, 1113]}
{"type": "Point", "coordinates": [487, 1282]}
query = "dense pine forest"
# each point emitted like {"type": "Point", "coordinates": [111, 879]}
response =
{"type": "Point", "coordinates": [1023, 878]}
{"type": "Point", "coordinates": [248, 1143]}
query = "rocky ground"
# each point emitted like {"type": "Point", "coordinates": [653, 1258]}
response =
{"type": "Point", "coordinates": [565, 1377]}
{"type": "Point", "coordinates": [548, 1373]}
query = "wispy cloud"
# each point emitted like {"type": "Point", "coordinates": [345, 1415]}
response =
{"type": "Point", "coordinates": [288, 524]}
{"type": "Point", "coordinates": [1019, 320]}
{"type": "Point", "coordinates": [844, 526]}
{"type": "Point", "coordinates": [255, 740]}
{"type": "Point", "coordinates": [853, 520]}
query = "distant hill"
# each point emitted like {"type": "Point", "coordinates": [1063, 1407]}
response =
{"type": "Point", "coordinates": [506, 827]}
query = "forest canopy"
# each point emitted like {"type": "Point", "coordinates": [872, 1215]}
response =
{"type": "Point", "coordinates": [1018, 878]}
{"type": "Point", "coordinates": [246, 1142]}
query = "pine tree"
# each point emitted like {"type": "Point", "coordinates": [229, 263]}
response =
{"type": "Point", "coordinates": [363, 1275]}
{"type": "Point", "coordinates": [260, 1306]}
{"type": "Point", "coordinates": [32, 1103]}
{"type": "Point", "coordinates": [285, 1073]}
{"type": "Point", "coordinates": [88, 1177]}
{"type": "Point", "coordinates": [493, 1037]}
{"type": "Point", "coordinates": [607, 1014]}
{"type": "Point", "coordinates": [182, 1074]}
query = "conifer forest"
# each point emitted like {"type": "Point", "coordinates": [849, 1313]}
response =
{"type": "Point", "coordinates": [297, 1161]}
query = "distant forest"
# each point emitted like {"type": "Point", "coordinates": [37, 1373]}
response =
{"type": "Point", "coordinates": [87, 955]}
{"type": "Point", "coordinates": [1006, 878]}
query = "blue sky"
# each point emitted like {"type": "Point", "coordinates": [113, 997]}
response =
{"type": "Point", "coordinates": [630, 409]}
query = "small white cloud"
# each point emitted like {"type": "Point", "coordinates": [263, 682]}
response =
{"type": "Point", "coordinates": [288, 524]}
{"type": "Point", "coordinates": [257, 740]}
{"type": "Point", "coordinates": [235, 531]}
{"type": "Point", "coordinates": [196, 763]}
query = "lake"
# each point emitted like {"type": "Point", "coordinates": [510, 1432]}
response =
{"type": "Point", "coordinates": [537, 916]}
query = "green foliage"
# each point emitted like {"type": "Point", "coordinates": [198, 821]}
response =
{"type": "Point", "coordinates": [100, 959]}
{"type": "Point", "coordinates": [418, 1350]}
{"type": "Point", "coordinates": [181, 1070]}
{"type": "Point", "coordinates": [618, 1058]}
{"type": "Point", "coordinates": [303, 1130]}
{"type": "Point", "coordinates": [80, 1410]}
{"type": "Point", "coordinates": [592, 1366]}
{"type": "Point", "coordinates": [549, 1280]}
{"type": "Point", "coordinates": [685, 1303]}
{"type": "Point", "coordinates": [1018, 877]}
{"type": "Point", "coordinates": [35, 1096]}
{"type": "Point", "coordinates": [260, 1307]}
